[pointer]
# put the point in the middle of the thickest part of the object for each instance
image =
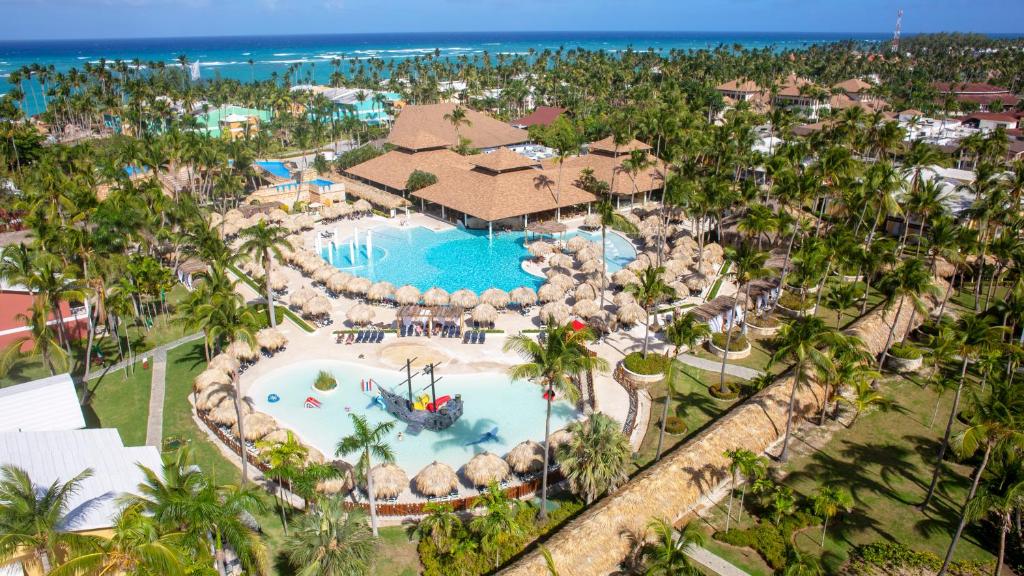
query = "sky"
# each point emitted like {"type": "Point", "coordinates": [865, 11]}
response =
{"type": "Point", "coordinates": [56, 19]}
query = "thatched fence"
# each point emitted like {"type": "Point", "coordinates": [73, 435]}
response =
{"type": "Point", "coordinates": [595, 542]}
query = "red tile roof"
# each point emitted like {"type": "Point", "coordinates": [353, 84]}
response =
{"type": "Point", "coordinates": [968, 88]}
{"type": "Point", "coordinates": [542, 116]}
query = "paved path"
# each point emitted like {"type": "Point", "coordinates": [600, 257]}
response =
{"type": "Point", "coordinates": [155, 423]}
{"type": "Point", "coordinates": [716, 366]}
{"type": "Point", "coordinates": [124, 363]}
{"type": "Point", "coordinates": [714, 563]}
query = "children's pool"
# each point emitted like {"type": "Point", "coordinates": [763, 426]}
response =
{"type": "Point", "coordinates": [491, 400]}
{"type": "Point", "coordinates": [453, 259]}
{"type": "Point", "coordinates": [276, 168]}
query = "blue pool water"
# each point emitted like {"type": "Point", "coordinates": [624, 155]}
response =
{"type": "Point", "coordinates": [491, 400]}
{"type": "Point", "coordinates": [453, 259]}
{"type": "Point", "coordinates": [135, 170]}
{"type": "Point", "coordinates": [322, 182]}
{"type": "Point", "coordinates": [276, 168]}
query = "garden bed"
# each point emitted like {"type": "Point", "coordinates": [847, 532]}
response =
{"type": "Point", "coordinates": [739, 347]}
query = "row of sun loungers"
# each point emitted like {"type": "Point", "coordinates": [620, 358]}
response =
{"type": "Point", "coordinates": [475, 337]}
{"type": "Point", "coordinates": [453, 495]}
{"type": "Point", "coordinates": [362, 337]}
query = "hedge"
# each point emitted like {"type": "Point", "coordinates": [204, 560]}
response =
{"type": "Point", "coordinates": [904, 351]}
{"type": "Point", "coordinates": [793, 302]}
{"type": "Point", "coordinates": [738, 342]}
{"type": "Point", "coordinates": [653, 364]}
{"type": "Point", "coordinates": [675, 425]}
{"type": "Point", "coordinates": [894, 557]}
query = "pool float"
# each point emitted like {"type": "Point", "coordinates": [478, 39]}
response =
{"type": "Point", "coordinates": [273, 398]}
{"type": "Point", "coordinates": [377, 401]}
{"type": "Point", "coordinates": [431, 407]}
{"type": "Point", "coordinates": [312, 402]}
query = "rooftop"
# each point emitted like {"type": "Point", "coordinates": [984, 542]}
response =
{"type": "Point", "coordinates": [968, 88]}
{"type": "Point", "coordinates": [541, 116]}
{"type": "Point", "coordinates": [423, 126]}
{"type": "Point", "coordinates": [501, 160]}
{"type": "Point", "coordinates": [44, 404]}
{"type": "Point", "coordinates": [854, 86]}
{"type": "Point", "coordinates": [739, 86]}
{"type": "Point", "coordinates": [608, 145]}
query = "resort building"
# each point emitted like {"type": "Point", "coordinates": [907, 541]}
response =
{"type": "Point", "coordinates": [541, 116]}
{"type": "Point", "coordinates": [16, 302]}
{"type": "Point", "coordinates": [608, 163]}
{"type": "Point", "coordinates": [802, 96]}
{"type": "Point", "coordinates": [736, 91]}
{"type": "Point", "coordinates": [288, 184]}
{"type": "Point", "coordinates": [20, 406]}
{"type": "Point", "coordinates": [989, 121]}
{"type": "Point", "coordinates": [424, 127]}
{"type": "Point", "coordinates": [980, 94]}
{"type": "Point", "coordinates": [370, 106]}
{"type": "Point", "coordinates": [231, 122]}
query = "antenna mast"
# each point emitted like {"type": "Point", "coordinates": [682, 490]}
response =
{"type": "Point", "coordinates": [896, 33]}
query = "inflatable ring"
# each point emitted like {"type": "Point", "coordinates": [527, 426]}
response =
{"type": "Point", "coordinates": [273, 398]}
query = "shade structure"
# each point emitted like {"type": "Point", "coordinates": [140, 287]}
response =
{"type": "Point", "coordinates": [271, 339]}
{"type": "Point", "coordinates": [563, 281]}
{"type": "Point", "coordinates": [338, 281]}
{"type": "Point", "coordinates": [631, 314]}
{"type": "Point", "coordinates": [485, 468]}
{"type": "Point", "coordinates": [388, 480]}
{"type": "Point", "coordinates": [342, 484]}
{"type": "Point", "coordinates": [623, 298]}
{"type": "Point", "coordinates": [305, 221]}
{"type": "Point", "coordinates": [362, 206]}
{"type": "Point", "coordinates": [381, 291]}
{"type": "Point", "coordinates": [697, 281]}
{"type": "Point", "coordinates": [550, 293]}
{"type": "Point", "coordinates": [213, 219]}
{"type": "Point", "coordinates": [313, 455]}
{"type": "Point", "coordinates": [943, 268]}
{"type": "Point", "coordinates": [484, 313]}
{"type": "Point", "coordinates": [437, 479]}
{"type": "Point", "coordinates": [586, 308]}
{"type": "Point", "coordinates": [706, 267]}
{"type": "Point", "coordinates": [625, 278]}
{"type": "Point", "coordinates": [279, 436]}
{"type": "Point", "coordinates": [255, 426]}
{"type": "Point", "coordinates": [495, 297]}
{"type": "Point", "coordinates": [317, 306]}
{"type": "Point", "coordinates": [540, 248]}
{"type": "Point", "coordinates": [407, 295]}
{"type": "Point", "coordinates": [526, 457]}
{"type": "Point", "coordinates": [211, 396]}
{"type": "Point", "coordinates": [465, 298]}
{"type": "Point", "coordinates": [558, 438]}
{"type": "Point", "coordinates": [242, 350]}
{"type": "Point", "coordinates": [225, 414]}
{"type": "Point", "coordinates": [588, 253]}
{"type": "Point", "coordinates": [523, 296]}
{"type": "Point", "coordinates": [714, 248]}
{"type": "Point", "coordinates": [680, 288]}
{"type": "Point", "coordinates": [278, 281]}
{"type": "Point", "coordinates": [228, 228]}
{"type": "Point", "coordinates": [555, 313]}
{"type": "Point", "coordinates": [592, 221]}
{"type": "Point", "coordinates": [300, 296]}
{"type": "Point", "coordinates": [637, 266]}
{"type": "Point", "coordinates": [360, 314]}
{"type": "Point", "coordinates": [561, 261]}
{"type": "Point", "coordinates": [210, 377]}
{"type": "Point", "coordinates": [586, 291]}
{"type": "Point", "coordinates": [277, 215]}
{"type": "Point", "coordinates": [233, 214]}
{"type": "Point", "coordinates": [575, 243]}
{"type": "Point", "coordinates": [435, 297]}
{"type": "Point", "coordinates": [592, 267]}
{"type": "Point", "coordinates": [359, 285]}
{"type": "Point", "coordinates": [676, 266]}
{"type": "Point", "coordinates": [225, 363]}
{"type": "Point", "coordinates": [322, 273]}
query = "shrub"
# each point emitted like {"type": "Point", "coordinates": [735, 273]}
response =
{"type": "Point", "coordinates": [731, 391]}
{"type": "Point", "coordinates": [325, 381]}
{"type": "Point", "coordinates": [419, 179]}
{"type": "Point", "coordinates": [675, 425]}
{"type": "Point", "coordinates": [792, 302]}
{"type": "Point", "coordinates": [893, 557]}
{"type": "Point", "coordinates": [764, 538]}
{"type": "Point", "coordinates": [357, 156]}
{"type": "Point", "coordinates": [770, 321]}
{"type": "Point", "coordinates": [738, 342]}
{"type": "Point", "coordinates": [904, 351]}
{"type": "Point", "coordinates": [653, 364]}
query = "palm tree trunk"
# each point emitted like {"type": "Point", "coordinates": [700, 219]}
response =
{"type": "Point", "coordinates": [945, 439]}
{"type": "Point", "coordinates": [892, 331]}
{"type": "Point", "coordinates": [728, 511]}
{"type": "Point", "coordinates": [647, 327]}
{"type": "Point", "coordinates": [241, 431]}
{"type": "Point", "coordinates": [963, 512]}
{"type": "Point", "coordinates": [789, 412]}
{"type": "Point", "coordinates": [1001, 557]}
{"type": "Point", "coordinates": [604, 262]}
{"type": "Point", "coordinates": [270, 293]}
{"type": "Point", "coordinates": [725, 355]}
{"type": "Point", "coordinates": [543, 515]}
{"type": "Point", "coordinates": [372, 496]}
{"type": "Point", "coordinates": [664, 410]}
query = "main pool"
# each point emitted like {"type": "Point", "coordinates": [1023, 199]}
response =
{"type": "Point", "coordinates": [453, 259]}
{"type": "Point", "coordinates": [491, 400]}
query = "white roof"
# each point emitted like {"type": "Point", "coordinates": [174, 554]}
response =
{"type": "Point", "coordinates": [45, 404]}
{"type": "Point", "coordinates": [235, 118]}
{"type": "Point", "coordinates": [62, 455]}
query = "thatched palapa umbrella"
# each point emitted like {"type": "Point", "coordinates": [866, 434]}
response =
{"type": "Point", "coordinates": [465, 298]}
{"type": "Point", "coordinates": [560, 261]}
{"type": "Point", "coordinates": [436, 479]}
{"type": "Point", "coordinates": [485, 468]}
{"type": "Point", "coordinates": [526, 457]}
{"type": "Point", "coordinates": [523, 296]}
{"type": "Point", "coordinates": [623, 298]}
{"type": "Point", "coordinates": [563, 281]}
{"type": "Point", "coordinates": [495, 297]}
{"type": "Point", "coordinates": [212, 396]}
{"type": "Point", "coordinates": [558, 438]}
{"type": "Point", "coordinates": [225, 363]}
{"type": "Point", "coordinates": [362, 205]}
{"type": "Point", "coordinates": [625, 277]}
{"type": "Point", "coordinates": [279, 436]}
{"type": "Point", "coordinates": [322, 273]}
{"type": "Point", "coordinates": [388, 480]}
{"type": "Point", "coordinates": [271, 339]}
{"type": "Point", "coordinates": [300, 296]}
{"type": "Point", "coordinates": [484, 313]}
{"type": "Point", "coordinates": [342, 484]}
{"type": "Point", "coordinates": [435, 297]}
{"type": "Point", "coordinates": [407, 295]}
{"type": "Point", "coordinates": [317, 306]}
{"type": "Point", "coordinates": [360, 314]}
{"type": "Point", "coordinates": [550, 293]}
{"type": "Point", "coordinates": [631, 314]}
{"type": "Point", "coordinates": [592, 267]}
{"type": "Point", "coordinates": [586, 308]}
{"type": "Point", "coordinates": [586, 291]}
{"type": "Point", "coordinates": [338, 282]}
{"type": "Point", "coordinates": [225, 413]}
{"type": "Point", "coordinates": [313, 455]}
{"type": "Point", "coordinates": [697, 281]}
{"type": "Point", "coordinates": [540, 248]}
{"type": "Point", "coordinates": [278, 281]}
{"type": "Point", "coordinates": [256, 425]}
{"type": "Point", "coordinates": [588, 253]}
{"type": "Point", "coordinates": [381, 291]}
{"type": "Point", "coordinates": [592, 221]}
{"type": "Point", "coordinates": [210, 377]}
{"type": "Point", "coordinates": [358, 285]}
{"type": "Point", "coordinates": [575, 243]}
{"type": "Point", "coordinates": [555, 312]}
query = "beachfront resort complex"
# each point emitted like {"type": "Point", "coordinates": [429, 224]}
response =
{"type": "Point", "coordinates": [708, 312]}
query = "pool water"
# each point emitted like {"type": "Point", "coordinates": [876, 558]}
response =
{"type": "Point", "coordinates": [276, 168]}
{"type": "Point", "coordinates": [491, 400]}
{"type": "Point", "coordinates": [453, 259]}
{"type": "Point", "coordinates": [321, 182]}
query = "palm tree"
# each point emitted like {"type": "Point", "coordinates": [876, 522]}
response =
{"type": "Point", "coordinates": [283, 459]}
{"type": "Point", "coordinates": [457, 117]}
{"type": "Point", "coordinates": [650, 290]}
{"type": "Point", "coordinates": [863, 395]}
{"type": "Point", "coordinates": [975, 336]}
{"type": "Point", "coordinates": [667, 555]}
{"type": "Point", "coordinates": [800, 341]}
{"type": "Point", "coordinates": [750, 465]}
{"type": "Point", "coordinates": [595, 459]}
{"type": "Point", "coordinates": [32, 518]}
{"type": "Point", "coordinates": [136, 546]}
{"type": "Point", "coordinates": [996, 423]}
{"type": "Point", "coordinates": [828, 502]}
{"type": "Point", "coordinates": [331, 541]}
{"type": "Point", "coordinates": [748, 265]}
{"type": "Point", "coordinates": [1000, 494]}
{"type": "Point", "coordinates": [264, 242]}
{"type": "Point", "coordinates": [555, 363]}
{"type": "Point", "coordinates": [840, 297]}
{"type": "Point", "coordinates": [368, 442]}
{"type": "Point", "coordinates": [439, 524]}
{"type": "Point", "coordinates": [42, 340]}
{"type": "Point", "coordinates": [798, 564]}
{"type": "Point", "coordinates": [684, 332]}
{"type": "Point", "coordinates": [606, 210]}
{"type": "Point", "coordinates": [911, 280]}
{"type": "Point", "coordinates": [499, 522]}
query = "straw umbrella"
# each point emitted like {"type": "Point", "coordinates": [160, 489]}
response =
{"type": "Point", "coordinates": [558, 438]}
{"type": "Point", "coordinates": [550, 293]}
{"type": "Point", "coordinates": [362, 205]}
{"type": "Point", "coordinates": [407, 295]}
{"type": "Point", "coordinates": [485, 468]}
{"type": "Point", "coordinates": [338, 281]}
{"type": "Point", "coordinates": [317, 306]}
{"type": "Point", "coordinates": [697, 281]}
{"type": "Point", "coordinates": [435, 297]}
{"type": "Point", "coordinates": [680, 288]}
{"type": "Point", "coordinates": [631, 314]}
{"type": "Point", "coordinates": [313, 455]}
{"type": "Point", "coordinates": [300, 296]}
{"type": "Point", "coordinates": [523, 296]}
{"type": "Point", "coordinates": [233, 214]}
{"type": "Point", "coordinates": [225, 363]}
{"type": "Point", "coordinates": [358, 285]}
{"type": "Point", "coordinates": [676, 266]}
{"type": "Point", "coordinates": [210, 377]}
{"type": "Point", "coordinates": [526, 457]}
{"type": "Point", "coordinates": [555, 312]}
{"type": "Point", "coordinates": [388, 480]}
{"type": "Point", "coordinates": [225, 413]}
{"type": "Point", "coordinates": [278, 281]}
{"type": "Point", "coordinates": [465, 298]}
{"type": "Point", "coordinates": [242, 351]}
{"type": "Point", "coordinates": [360, 314]}
{"type": "Point", "coordinates": [560, 261]}
{"type": "Point", "coordinates": [625, 277]}
{"type": "Point", "coordinates": [586, 308]}
{"type": "Point", "coordinates": [592, 267]}
{"type": "Point", "coordinates": [592, 221]}
{"type": "Point", "coordinates": [563, 281]}
{"type": "Point", "coordinates": [495, 297]}
{"type": "Point", "coordinates": [211, 396]}
{"type": "Point", "coordinates": [575, 243]}
{"type": "Point", "coordinates": [588, 253]}
{"type": "Point", "coordinates": [540, 248]}
{"type": "Point", "coordinates": [344, 483]}
{"type": "Point", "coordinates": [278, 436]}
{"type": "Point", "coordinates": [484, 313]}
{"type": "Point", "coordinates": [585, 291]}
{"type": "Point", "coordinates": [381, 291]}
{"type": "Point", "coordinates": [322, 273]}
{"type": "Point", "coordinates": [271, 339]}
{"type": "Point", "coordinates": [437, 479]}
{"type": "Point", "coordinates": [623, 298]}
{"type": "Point", "coordinates": [256, 426]}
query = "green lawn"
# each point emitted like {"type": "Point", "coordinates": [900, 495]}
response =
{"type": "Point", "coordinates": [885, 461]}
{"type": "Point", "coordinates": [120, 399]}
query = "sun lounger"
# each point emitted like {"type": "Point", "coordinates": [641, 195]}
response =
{"type": "Point", "coordinates": [472, 337]}
{"type": "Point", "coordinates": [483, 336]}
{"type": "Point", "coordinates": [380, 336]}
{"type": "Point", "coordinates": [360, 337]}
